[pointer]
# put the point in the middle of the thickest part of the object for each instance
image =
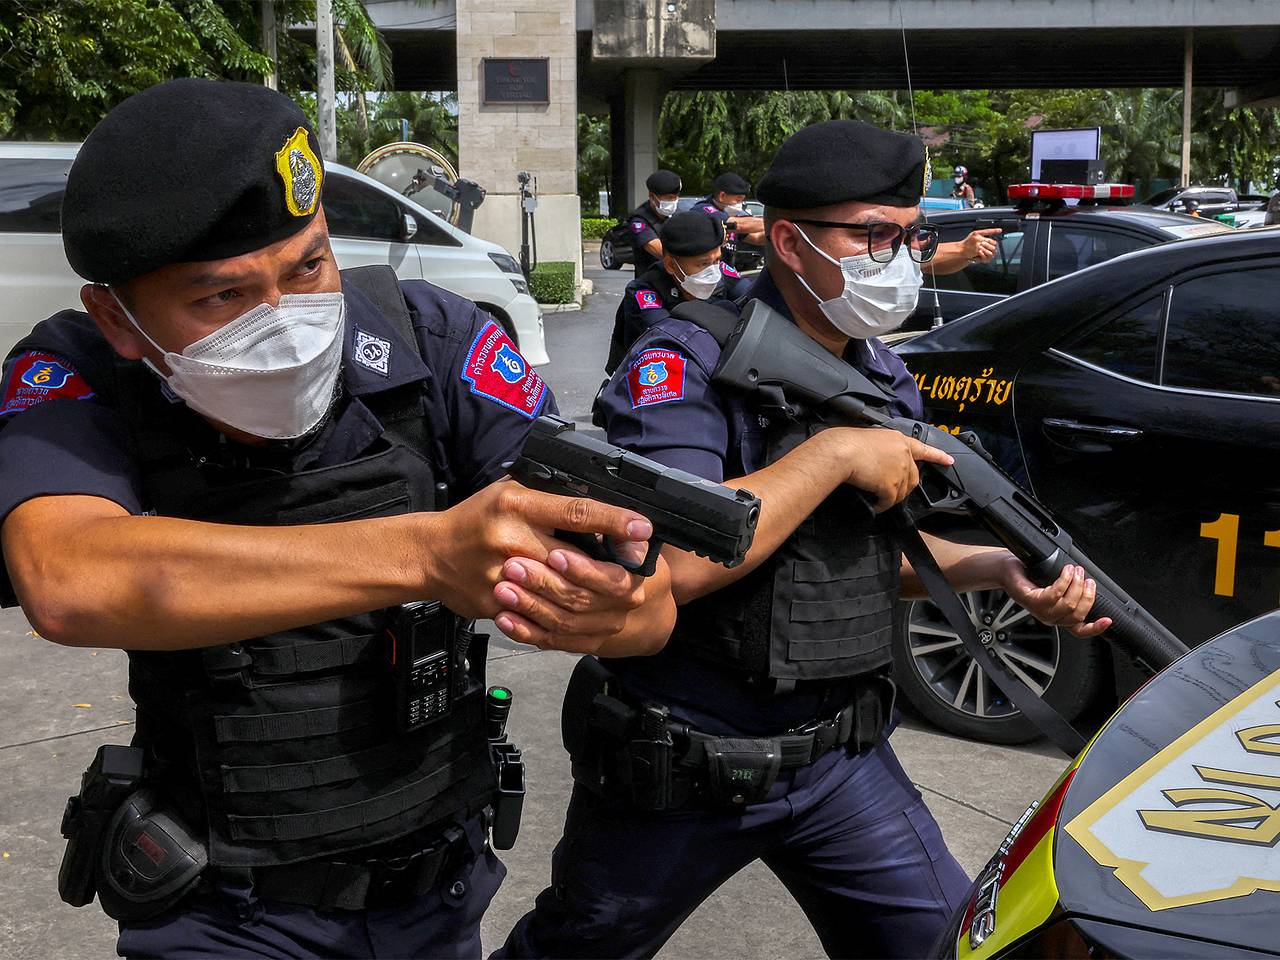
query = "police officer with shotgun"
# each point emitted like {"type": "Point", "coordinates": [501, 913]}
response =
{"type": "Point", "coordinates": [761, 730]}
{"type": "Point", "coordinates": [278, 487]}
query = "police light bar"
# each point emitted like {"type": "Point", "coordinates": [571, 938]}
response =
{"type": "Point", "coordinates": [1070, 191]}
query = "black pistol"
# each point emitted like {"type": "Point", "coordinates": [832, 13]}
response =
{"type": "Point", "coordinates": [768, 355]}
{"type": "Point", "coordinates": [686, 511]}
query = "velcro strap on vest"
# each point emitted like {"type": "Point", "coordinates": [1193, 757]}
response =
{"type": "Point", "coordinates": [309, 656]}
{"type": "Point", "coordinates": [296, 826]}
{"type": "Point", "coordinates": [821, 611]}
{"type": "Point", "coordinates": [323, 721]}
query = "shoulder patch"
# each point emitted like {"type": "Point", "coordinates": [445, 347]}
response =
{"type": "Point", "coordinates": [728, 271]}
{"type": "Point", "coordinates": [710, 208]}
{"type": "Point", "coordinates": [656, 376]}
{"type": "Point", "coordinates": [648, 300]}
{"type": "Point", "coordinates": [36, 377]}
{"type": "Point", "coordinates": [637, 226]}
{"type": "Point", "coordinates": [495, 370]}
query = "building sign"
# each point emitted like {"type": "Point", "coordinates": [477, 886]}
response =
{"type": "Point", "coordinates": [517, 81]}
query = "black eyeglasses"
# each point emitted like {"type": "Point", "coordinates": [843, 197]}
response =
{"type": "Point", "coordinates": [884, 238]}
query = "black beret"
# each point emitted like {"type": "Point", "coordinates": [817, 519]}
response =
{"type": "Point", "coordinates": [841, 160]}
{"type": "Point", "coordinates": [189, 170]}
{"type": "Point", "coordinates": [730, 183]}
{"type": "Point", "coordinates": [691, 233]}
{"type": "Point", "coordinates": [663, 182]}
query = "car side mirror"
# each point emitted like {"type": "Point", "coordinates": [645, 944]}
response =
{"type": "Point", "coordinates": [409, 228]}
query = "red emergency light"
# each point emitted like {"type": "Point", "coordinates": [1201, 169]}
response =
{"type": "Point", "coordinates": [1071, 191]}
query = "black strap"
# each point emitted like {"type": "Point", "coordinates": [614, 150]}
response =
{"type": "Point", "coordinates": [296, 724]}
{"type": "Point", "coordinates": [1046, 719]}
{"type": "Point", "coordinates": [380, 284]}
{"type": "Point", "coordinates": [719, 321]}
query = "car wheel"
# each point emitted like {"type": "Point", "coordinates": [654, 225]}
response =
{"type": "Point", "coordinates": [607, 259]}
{"type": "Point", "coordinates": [945, 684]}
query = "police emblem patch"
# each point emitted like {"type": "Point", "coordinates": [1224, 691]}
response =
{"type": "Point", "coordinates": [302, 174]}
{"type": "Point", "coordinates": [495, 370]}
{"type": "Point", "coordinates": [656, 376]}
{"type": "Point", "coordinates": [372, 352]}
{"type": "Point", "coordinates": [637, 226]}
{"type": "Point", "coordinates": [728, 271]}
{"type": "Point", "coordinates": [36, 377]}
{"type": "Point", "coordinates": [648, 300]}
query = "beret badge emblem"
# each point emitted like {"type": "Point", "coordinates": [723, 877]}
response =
{"type": "Point", "coordinates": [302, 174]}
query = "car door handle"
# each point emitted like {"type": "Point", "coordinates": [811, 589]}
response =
{"type": "Point", "coordinates": [1104, 432]}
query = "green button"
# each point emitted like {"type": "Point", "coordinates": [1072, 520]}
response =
{"type": "Point", "coordinates": [500, 693]}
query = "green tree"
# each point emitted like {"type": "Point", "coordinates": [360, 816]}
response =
{"type": "Point", "coordinates": [593, 160]}
{"type": "Point", "coordinates": [433, 120]}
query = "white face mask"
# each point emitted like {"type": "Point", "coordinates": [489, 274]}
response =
{"type": "Point", "coordinates": [270, 372]}
{"type": "Point", "coordinates": [702, 283]}
{"type": "Point", "coordinates": [667, 207]}
{"type": "Point", "coordinates": [877, 297]}
{"type": "Point", "coordinates": [735, 209]}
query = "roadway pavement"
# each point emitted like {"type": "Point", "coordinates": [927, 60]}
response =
{"type": "Point", "coordinates": [57, 705]}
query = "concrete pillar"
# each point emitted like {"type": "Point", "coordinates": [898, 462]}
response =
{"type": "Point", "coordinates": [498, 140]}
{"type": "Point", "coordinates": [618, 192]}
{"type": "Point", "coordinates": [1187, 61]}
{"type": "Point", "coordinates": [642, 92]}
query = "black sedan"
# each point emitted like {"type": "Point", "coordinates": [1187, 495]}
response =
{"type": "Point", "coordinates": [1041, 242]}
{"type": "Point", "coordinates": [1140, 401]}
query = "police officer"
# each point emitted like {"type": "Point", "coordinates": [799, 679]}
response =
{"type": "Point", "coordinates": [760, 730]}
{"type": "Point", "coordinates": [690, 269]}
{"type": "Point", "coordinates": [725, 203]}
{"type": "Point", "coordinates": [646, 219]}
{"type": "Point", "coordinates": [247, 461]}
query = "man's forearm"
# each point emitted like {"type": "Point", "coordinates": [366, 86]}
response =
{"type": "Point", "coordinates": [966, 567]}
{"type": "Point", "coordinates": [789, 491]}
{"type": "Point", "coordinates": [949, 258]}
{"type": "Point", "coordinates": [163, 584]}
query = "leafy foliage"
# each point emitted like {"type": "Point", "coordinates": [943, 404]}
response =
{"type": "Point", "coordinates": [433, 120]}
{"type": "Point", "coordinates": [594, 228]}
{"type": "Point", "coordinates": [552, 282]}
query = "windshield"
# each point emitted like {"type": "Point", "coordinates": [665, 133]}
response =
{"type": "Point", "coordinates": [1164, 196]}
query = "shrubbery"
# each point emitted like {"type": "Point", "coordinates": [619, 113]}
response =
{"type": "Point", "coordinates": [552, 282]}
{"type": "Point", "coordinates": [594, 228]}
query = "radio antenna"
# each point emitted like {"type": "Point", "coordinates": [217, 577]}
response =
{"type": "Point", "coordinates": [911, 98]}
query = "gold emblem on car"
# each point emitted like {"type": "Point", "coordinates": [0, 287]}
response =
{"type": "Point", "coordinates": [1200, 820]}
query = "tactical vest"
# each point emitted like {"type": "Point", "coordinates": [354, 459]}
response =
{"type": "Point", "coordinates": [820, 608]}
{"type": "Point", "coordinates": [285, 747]}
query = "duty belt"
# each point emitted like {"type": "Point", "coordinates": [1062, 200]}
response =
{"type": "Point", "coordinates": [360, 885]}
{"type": "Point", "coordinates": [796, 748]}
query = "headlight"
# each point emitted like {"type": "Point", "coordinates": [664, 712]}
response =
{"type": "Point", "coordinates": [505, 262]}
{"type": "Point", "coordinates": [521, 285]}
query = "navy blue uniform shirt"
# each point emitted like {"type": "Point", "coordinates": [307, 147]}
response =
{"type": "Point", "coordinates": [643, 223]}
{"type": "Point", "coordinates": [661, 404]}
{"type": "Point", "coordinates": [649, 299]}
{"type": "Point", "coordinates": [61, 433]}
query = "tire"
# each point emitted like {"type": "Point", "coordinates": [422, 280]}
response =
{"type": "Point", "coordinates": [931, 667]}
{"type": "Point", "coordinates": [607, 258]}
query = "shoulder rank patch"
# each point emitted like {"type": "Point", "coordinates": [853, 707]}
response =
{"type": "Point", "coordinates": [495, 370]}
{"type": "Point", "coordinates": [372, 352]}
{"type": "Point", "coordinates": [637, 226]}
{"type": "Point", "coordinates": [37, 377]}
{"type": "Point", "coordinates": [648, 300]}
{"type": "Point", "coordinates": [728, 271]}
{"type": "Point", "coordinates": [656, 376]}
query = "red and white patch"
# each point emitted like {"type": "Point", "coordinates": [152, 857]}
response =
{"type": "Point", "coordinates": [710, 209]}
{"type": "Point", "coordinates": [495, 370]}
{"type": "Point", "coordinates": [36, 377]}
{"type": "Point", "coordinates": [656, 376]}
{"type": "Point", "coordinates": [648, 300]}
{"type": "Point", "coordinates": [637, 226]}
{"type": "Point", "coordinates": [728, 271]}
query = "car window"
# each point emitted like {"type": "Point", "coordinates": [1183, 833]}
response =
{"type": "Point", "coordinates": [355, 209]}
{"type": "Point", "coordinates": [1164, 196]}
{"type": "Point", "coordinates": [1126, 344]}
{"type": "Point", "coordinates": [1074, 246]}
{"type": "Point", "coordinates": [1224, 333]}
{"type": "Point", "coordinates": [31, 194]}
{"type": "Point", "coordinates": [1000, 276]}
{"type": "Point", "coordinates": [431, 234]}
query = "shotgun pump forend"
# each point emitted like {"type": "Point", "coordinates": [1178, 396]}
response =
{"type": "Point", "coordinates": [686, 511]}
{"type": "Point", "coordinates": [769, 355]}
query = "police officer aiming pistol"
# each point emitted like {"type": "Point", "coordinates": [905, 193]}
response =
{"type": "Point", "coordinates": [760, 731]}
{"type": "Point", "coordinates": [646, 220]}
{"type": "Point", "coordinates": [278, 487]}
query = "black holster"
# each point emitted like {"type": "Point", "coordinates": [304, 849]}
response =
{"type": "Point", "coordinates": [149, 862]}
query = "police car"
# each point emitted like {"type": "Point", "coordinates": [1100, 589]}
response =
{"type": "Point", "coordinates": [1160, 840]}
{"type": "Point", "coordinates": [1045, 237]}
{"type": "Point", "coordinates": [368, 223]}
{"type": "Point", "coordinates": [1139, 400]}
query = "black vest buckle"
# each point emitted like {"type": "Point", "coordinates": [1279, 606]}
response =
{"type": "Point", "coordinates": [226, 661]}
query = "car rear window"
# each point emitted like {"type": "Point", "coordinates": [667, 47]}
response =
{"type": "Point", "coordinates": [1224, 333]}
{"type": "Point", "coordinates": [1000, 276]}
{"type": "Point", "coordinates": [1126, 344]}
{"type": "Point", "coordinates": [1074, 246]}
{"type": "Point", "coordinates": [31, 194]}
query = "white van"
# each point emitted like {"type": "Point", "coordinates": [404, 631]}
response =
{"type": "Point", "coordinates": [368, 223]}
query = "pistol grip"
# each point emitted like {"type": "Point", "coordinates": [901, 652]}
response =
{"type": "Point", "coordinates": [603, 550]}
